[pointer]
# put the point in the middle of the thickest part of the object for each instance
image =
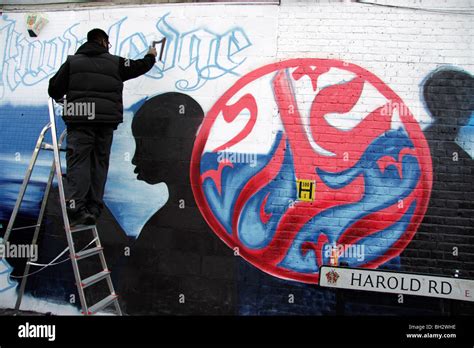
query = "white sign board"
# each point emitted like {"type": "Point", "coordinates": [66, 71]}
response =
{"type": "Point", "coordinates": [397, 283]}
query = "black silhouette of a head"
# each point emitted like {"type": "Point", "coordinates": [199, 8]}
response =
{"type": "Point", "coordinates": [164, 128]}
{"type": "Point", "coordinates": [449, 96]}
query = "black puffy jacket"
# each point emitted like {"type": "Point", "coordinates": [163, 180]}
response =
{"type": "Point", "coordinates": [92, 80]}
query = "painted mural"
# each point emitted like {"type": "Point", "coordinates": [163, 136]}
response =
{"type": "Point", "coordinates": [225, 151]}
{"type": "Point", "coordinates": [176, 249]}
{"type": "Point", "coordinates": [334, 123]}
{"type": "Point", "coordinates": [192, 57]}
{"type": "Point", "coordinates": [449, 99]}
{"type": "Point", "coordinates": [200, 58]}
{"type": "Point", "coordinates": [203, 55]}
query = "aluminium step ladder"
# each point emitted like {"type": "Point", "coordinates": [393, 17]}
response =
{"type": "Point", "coordinates": [75, 257]}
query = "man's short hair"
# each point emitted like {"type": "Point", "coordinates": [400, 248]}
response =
{"type": "Point", "coordinates": [97, 35]}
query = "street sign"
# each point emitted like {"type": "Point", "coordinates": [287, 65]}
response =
{"type": "Point", "coordinates": [397, 283]}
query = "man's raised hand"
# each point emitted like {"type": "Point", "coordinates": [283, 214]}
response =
{"type": "Point", "coordinates": [152, 51]}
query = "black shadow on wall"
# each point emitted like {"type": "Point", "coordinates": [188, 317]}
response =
{"type": "Point", "coordinates": [449, 222]}
{"type": "Point", "coordinates": [177, 265]}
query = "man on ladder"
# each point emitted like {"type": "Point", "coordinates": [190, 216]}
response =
{"type": "Point", "coordinates": [92, 81]}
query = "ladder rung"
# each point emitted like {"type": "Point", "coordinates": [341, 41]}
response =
{"type": "Point", "coordinates": [55, 146]}
{"type": "Point", "coordinates": [49, 147]}
{"type": "Point", "coordinates": [24, 227]}
{"type": "Point", "coordinates": [95, 278]}
{"type": "Point", "coordinates": [103, 303]}
{"type": "Point", "coordinates": [82, 228]}
{"type": "Point", "coordinates": [88, 252]}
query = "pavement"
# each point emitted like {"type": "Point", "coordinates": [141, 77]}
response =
{"type": "Point", "coordinates": [11, 312]}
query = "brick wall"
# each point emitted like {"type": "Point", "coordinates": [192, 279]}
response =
{"type": "Point", "coordinates": [372, 104]}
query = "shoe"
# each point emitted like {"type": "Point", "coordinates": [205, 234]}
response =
{"type": "Point", "coordinates": [94, 212]}
{"type": "Point", "coordinates": [82, 218]}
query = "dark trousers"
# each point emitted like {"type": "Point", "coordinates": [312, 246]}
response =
{"type": "Point", "coordinates": [87, 160]}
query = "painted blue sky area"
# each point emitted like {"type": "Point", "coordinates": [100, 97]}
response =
{"type": "Point", "coordinates": [465, 138]}
{"type": "Point", "coordinates": [5, 270]}
{"type": "Point", "coordinates": [132, 202]}
{"type": "Point", "coordinates": [20, 127]}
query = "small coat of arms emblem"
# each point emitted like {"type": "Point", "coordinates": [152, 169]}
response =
{"type": "Point", "coordinates": [332, 277]}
